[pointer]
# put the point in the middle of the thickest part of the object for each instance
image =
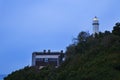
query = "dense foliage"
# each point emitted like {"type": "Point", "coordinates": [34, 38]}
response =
{"type": "Point", "coordinates": [89, 58]}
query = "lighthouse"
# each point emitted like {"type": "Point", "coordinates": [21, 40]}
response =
{"type": "Point", "coordinates": [95, 26]}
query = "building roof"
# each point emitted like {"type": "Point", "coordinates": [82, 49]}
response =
{"type": "Point", "coordinates": [48, 53]}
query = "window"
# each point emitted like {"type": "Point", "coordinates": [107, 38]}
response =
{"type": "Point", "coordinates": [46, 59]}
{"type": "Point", "coordinates": [39, 59]}
{"type": "Point", "coordinates": [52, 59]}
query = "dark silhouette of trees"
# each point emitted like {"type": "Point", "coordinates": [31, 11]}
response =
{"type": "Point", "coordinates": [116, 29]}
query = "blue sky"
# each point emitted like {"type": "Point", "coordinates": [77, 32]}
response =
{"type": "Point", "coordinates": [34, 25]}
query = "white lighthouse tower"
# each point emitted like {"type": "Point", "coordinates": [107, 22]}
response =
{"type": "Point", "coordinates": [95, 26]}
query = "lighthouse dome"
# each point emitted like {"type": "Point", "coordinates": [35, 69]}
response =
{"type": "Point", "coordinates": [95, 19]}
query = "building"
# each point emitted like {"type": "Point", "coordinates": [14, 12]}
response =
{"type": "Point", "coordinates": [41, 59]}
{"type": "Point", "coordinates": [95, 26]}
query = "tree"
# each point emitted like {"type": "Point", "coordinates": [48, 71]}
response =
{"type": "Point", "coordinates": [82, 36]}
{"type": "Point", "coordinates": [82, 39]}
{"type": "Point", "coordinates": [71, 50]}
{"type": "Point", "coordinates": [116, 29]}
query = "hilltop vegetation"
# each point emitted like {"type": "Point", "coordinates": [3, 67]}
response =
{"type": "Point", "coordinates": [88, 58]}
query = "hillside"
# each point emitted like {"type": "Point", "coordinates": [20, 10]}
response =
{"type": "Point", "coordinates": [88, 58]}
